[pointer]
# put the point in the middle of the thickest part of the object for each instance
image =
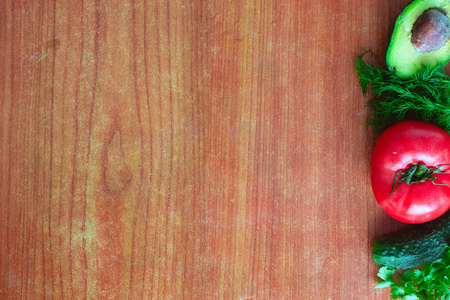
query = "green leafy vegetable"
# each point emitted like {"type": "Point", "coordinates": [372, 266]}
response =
{"type": "Point", "coordinates": [430, 282]}
{"type": "Point", "coordinates": [424, 97]}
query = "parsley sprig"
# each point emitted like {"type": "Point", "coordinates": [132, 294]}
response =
{"type": "Point", "coordinates": [430, 282]}
{"type": "Point", "coordinates": [424, 97]}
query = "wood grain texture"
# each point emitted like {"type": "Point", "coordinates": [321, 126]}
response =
{"type": "Point", "coordinates": [178, 149]}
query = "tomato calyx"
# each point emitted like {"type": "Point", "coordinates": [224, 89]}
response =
{"type": "Point", "coordinates": [416, 173]}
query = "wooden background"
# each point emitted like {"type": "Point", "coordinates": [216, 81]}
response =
{"type": "Point", "coordinates": [176, 149]}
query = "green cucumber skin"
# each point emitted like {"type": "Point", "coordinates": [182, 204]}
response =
{"type": "Point", "coordinates": [422, 244]}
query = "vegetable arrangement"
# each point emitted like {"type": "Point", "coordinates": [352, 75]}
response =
{"type": "Point", "coordinates": [410, 165]}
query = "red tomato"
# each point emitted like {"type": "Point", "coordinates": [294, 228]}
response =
{"type": "Point", "coordinates": [403, 147]}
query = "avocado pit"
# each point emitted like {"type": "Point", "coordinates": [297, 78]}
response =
{"type": "Point", "coordinates": [431, 31]}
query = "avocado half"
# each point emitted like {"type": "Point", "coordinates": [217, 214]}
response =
{"type": "Point", "coordinates": [402, 57]}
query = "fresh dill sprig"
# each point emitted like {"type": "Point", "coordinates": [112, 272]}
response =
{"type": "Point", "coordinates": [424, 97]}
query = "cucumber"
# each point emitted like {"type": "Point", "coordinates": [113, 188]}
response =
{"type": "Point", "coordinates": [421, 244]}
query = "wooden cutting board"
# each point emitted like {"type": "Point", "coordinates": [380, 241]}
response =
{"type": "Point", "coordinates": [188, 149]}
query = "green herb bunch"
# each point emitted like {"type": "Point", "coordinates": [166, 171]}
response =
{"type": "Point", "coordinates": [430, 282]}
{"type": "Point", "coordinates": [424, 97]}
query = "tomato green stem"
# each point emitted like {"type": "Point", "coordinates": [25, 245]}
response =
{"type": "Point", "coordinates": [416, 173]}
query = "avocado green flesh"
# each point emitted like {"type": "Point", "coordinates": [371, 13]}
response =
{"type": "Point", "coordinates": [422, 244]}
{"type": "Point", "coordinates": [401, 56]}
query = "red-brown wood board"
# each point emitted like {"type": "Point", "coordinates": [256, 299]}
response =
{"type": "Point", "coordinates": [177, 149]}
